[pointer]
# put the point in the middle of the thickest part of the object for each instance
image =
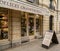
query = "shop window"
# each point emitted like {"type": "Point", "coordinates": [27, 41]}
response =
{"type": "Point", "coordinates": [23, 25]}
{"type": "Point", "coordinates": [52, 5]}
{"type": "Point", "coordinates": [34, 1]}
{"type": "Point", "coordinates": [37, 25]}
{"type": "Point", "coordinates": [31, 26]}
{"type": "Point", "coordinates": [31, 23]}
{"type": "Point", "coordinates": [3, 27]}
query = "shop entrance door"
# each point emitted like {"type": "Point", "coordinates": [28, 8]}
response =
{"type": "Point", "coordinates": [39, 27]}
{"type": "Point", "coordinates": [31, 26]}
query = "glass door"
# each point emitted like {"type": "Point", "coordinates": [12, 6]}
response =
{"type": "Point", "coordinates": [31, 26]}
{"type": "Point", "coordinates": [39, 27]}
{"type": "Point", "coordinates": [24, 34]}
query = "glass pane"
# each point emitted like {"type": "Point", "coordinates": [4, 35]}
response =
{"type": "Point", "coordinates": [31, 1]}
{"type": "Point", "coordinates": [23, 25]}
{"type": "Point", "coordinates": [37, 25]}
{"type": "Point", "coordinates": [31, 24]}
{"type": "Point", "coordinates": [3, 27]}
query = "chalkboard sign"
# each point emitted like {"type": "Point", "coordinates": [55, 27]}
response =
{"type": "Point", "coordinates": [50, 37]}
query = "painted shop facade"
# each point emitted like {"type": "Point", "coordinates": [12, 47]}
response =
{"type": "Point", "coordinates": [21, 22]}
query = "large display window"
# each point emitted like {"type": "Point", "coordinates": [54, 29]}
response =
{"type": "Point", "coordinates": [3, 26]}
{"type": "Point", "coordinates": [37, 24]}
{"type": "Point", "coordinates": [23, 25]}
{"type": "Point", "coordinates": [31, 24]}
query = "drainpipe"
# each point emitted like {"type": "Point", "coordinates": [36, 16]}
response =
{"type": "Point", "coordinates": [57, 18]}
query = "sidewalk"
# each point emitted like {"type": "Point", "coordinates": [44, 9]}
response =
{"type": "Point", "coordinates": [36, 46]}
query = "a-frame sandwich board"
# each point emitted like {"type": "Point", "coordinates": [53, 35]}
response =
{"type": "Point", "coordinates": [50, 37]}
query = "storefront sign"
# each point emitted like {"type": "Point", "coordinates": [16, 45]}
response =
{"type": "Point", "coordinates": [20, 6]}
{"type": "Point", "coordinates": [31, 9]}
{"type": "Point", "coordinates": [10, 4]}
{"type": "Point", "coordinates": [50, 37]}
{"type": "Point", "coordinates": [23, 7]}
{"type": "Point", "coordinates": [47, 38]}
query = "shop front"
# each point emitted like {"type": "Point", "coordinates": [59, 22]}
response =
{"type": "Point", "coordinates": [18, 27]}
{"type": "Point", "coordinates": [19, 23]}
{"type": "Point", "coordinates": [4, 28]}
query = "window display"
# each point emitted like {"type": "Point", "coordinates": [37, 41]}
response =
{"type": "Point", "coordinates": [3, 27]}
{"type": "Point", "coordinates": [23, 26]}
{"type": "Point", "coordinates": [37, 25]}
{"type": "Point", "coordinates": [31, 26]}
